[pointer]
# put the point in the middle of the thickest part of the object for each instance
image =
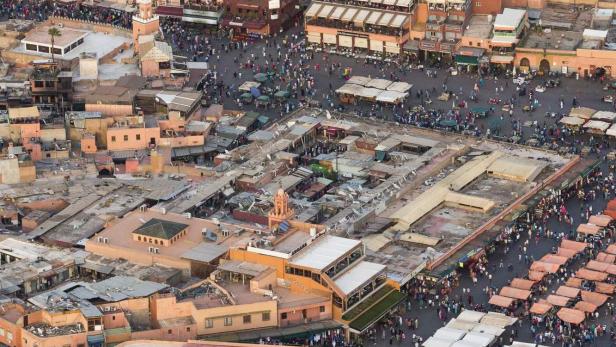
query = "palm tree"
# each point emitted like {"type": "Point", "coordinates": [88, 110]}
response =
{"type": "Point", "coordinates": [53, 33]}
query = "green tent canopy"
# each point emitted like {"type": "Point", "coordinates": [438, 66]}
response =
{"type": "Point", "coordinates": [263, 98]}
{"type": "Point", "coordinates": [261, 77]}
{"type": "Point", "coordinates": [246, 96]}
{"type": "Point", "coordinates": [282, 94]}
{"type": "Point", "coordinates": [447, 123]}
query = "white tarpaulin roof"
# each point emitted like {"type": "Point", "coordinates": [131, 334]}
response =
{"type": "Point", "coordinates": [391, 96]}
{"type": "Point", "coordinates": [401, 87]}
{"type": "Point", "coordinates": [471, 316]}
{"type": "Point", "coordinates": [450, 334]}
{"type": "Point", "coordinates": [572, 121]}
{"type": "Point", "coordinates": [611, 131]}
{"type": "Point", "coordinates": [370, 93]}
{"type": "Point", "coordinates": [357, 276]}
{"type": "Point", "coordinates": [436, 342]}
{"type": "Point", "coordinates": [605, 116]}
{"type": "Point", "coordinates": [498, 320]}
{"type": "Point", "coordinates": [379, 83]}
{"type": "Point", "coordinates": [488, 329]}
{"type": "Point", "coordinates": [349, 88]}
{"type": "Point", "coordinates": [479, 339]}
{"type": "Point", "coordinates": [461, 324]}
{"type": "Point", "coordinates": [463, 343]}
{"type": "Point", "coordinates": [360, 80]}
{"type": "Point", "coordinates": [597, 125]}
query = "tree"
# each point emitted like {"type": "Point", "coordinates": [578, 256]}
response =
{"type": "Point", "coordinates": [53, 33]}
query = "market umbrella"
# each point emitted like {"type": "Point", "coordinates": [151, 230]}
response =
{"type": "Point", "coordinates": [261, 77]}
{"type": "Point", "coordinates": [447, 123]}
{"type": "Point", "coordinates": [263, 98]}
{"type": "Point", "coordinates": [282, 94]}
{"type": "Point", "coordinates": [255, 92]}
{"type": "Point", "coordinates": [246, 96]}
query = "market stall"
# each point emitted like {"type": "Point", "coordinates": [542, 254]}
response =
{"type": "Point", "coordinates": [582, 112]}
{"type": "Point", "coordinates": [558, 300]}
{"type": "Point", "coordinates": [574, 245]}
{"type": "Point", "coordinates": [571, 316]}
{"type": "Point", "coordinates": [521, 283]}
{"type": "Point", "coordinates": [554, 259]}
{"type": "Point", "coordinates": [605, 116]}
{"type": "Point", "coordinates": [572, 122]}
{"type": "Point", "coordinates": [515, 293]}
{"type": "Point", "coordinates": [591, 275]}
{"type": "Point", "coordinates": [596, 127]}
{"type": "Point", "coordinates": [569, 292]}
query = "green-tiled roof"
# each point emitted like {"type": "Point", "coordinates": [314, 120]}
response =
{"type": "Point", "coordinates": [161, 229]}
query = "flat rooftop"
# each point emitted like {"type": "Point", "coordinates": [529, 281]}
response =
{"type": "Point", "coordinates": [480, 26]}
{"type": "Point", "coordinates": [93, 42]}
{"type": "Point", "coordinates": [323, 252]}
{"type": "Point", "coordinates": [40, 35]}
{"type": "Point", "coordinates": [120, 233]}
{"type": "Point", "coordinates": [509, 19]}
{"type": "Point", "coordinates": [553, 39]}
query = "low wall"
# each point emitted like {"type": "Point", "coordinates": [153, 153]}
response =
{"type": "Point", "coordinates": [89, 25]}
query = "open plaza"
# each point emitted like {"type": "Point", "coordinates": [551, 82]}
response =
{"type": "Point", "coordinates": [434, 173]}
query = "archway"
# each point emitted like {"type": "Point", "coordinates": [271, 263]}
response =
{"type": "Point", "coordinates": [104, 173]}
{"type": "Point", "coordinates": [544, 67]}
{"type": "Point", "coordinates": [524, 65]}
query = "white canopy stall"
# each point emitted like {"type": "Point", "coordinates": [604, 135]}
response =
{"type": "Point", "coordinates": [605, 116]}
{"type": "Point", "coordinates": [596, 127]}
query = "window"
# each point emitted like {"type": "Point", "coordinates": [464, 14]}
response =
{"type": "Point", "coordinates": [246, 319]}
{"type": "Point", "coordinates": [209, 323]}
{"type": "Point", "coordinates": [1, 332]}
{"type": "Point", "coordinates": [169, 331]}
{"type": "Point", "coordinates": [228, 321]}
{"type": "Point", "coordinates": [138, 137]}
{"type": "Point", "coordinates": [321, 309]}
{"type": "Point", "coordinates": [113, 139]}
{"type": "Point", "coordinates": [9, 336]}
{"type": "Point", "coordinates": [138, 238]}
{"type": "Point", "coordinates": [187, 329]}
{"type": "Point", "coordinates": [125, 137]}
{"type": "Point", "coordinates": [38, 84]}
{"type": "Point", "coordinates": [30, 47]}
{"type": "Point", "coordinates": [283, 315]}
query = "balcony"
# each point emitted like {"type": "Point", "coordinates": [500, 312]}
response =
{"type": "Point", "coordinates": [366, 28]}
{"type": "Point", "coordinates": [248, 22]}
{"type": "Point", "coordinates": [434, 26]}
{"type": "Point", "coordinates": [447, 47]}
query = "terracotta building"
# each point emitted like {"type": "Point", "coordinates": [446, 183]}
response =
{"type": "Point", "coordinates": [445, 25]}
{"type": "Point", "coordinates": [145, 22]}
{"type": "Point", "coordinates": [248, 18]}
{"type": "Point", "coordinates": [373, 29]}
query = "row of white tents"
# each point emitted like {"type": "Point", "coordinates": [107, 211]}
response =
{"type": "Point", "coordinates": [375, 89]}
{"type": "Point", "coordinates": [593, 121]}
{"type": "Point", "coordinates": [471, 329]}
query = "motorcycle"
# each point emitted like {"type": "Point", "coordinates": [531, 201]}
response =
{"type": "Point", "coordinates": [494, 101]}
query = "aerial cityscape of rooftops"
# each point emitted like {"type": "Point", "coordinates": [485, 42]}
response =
{"type": "Point", "coordinates": [334, 173]}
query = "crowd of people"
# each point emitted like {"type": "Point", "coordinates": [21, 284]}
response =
{"type": "Point", "coordinates": [41, 10]}
{"type": "Point", "coordinates": [551, 220]}
{"type": "Point", "coordinates": [290, 65]}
